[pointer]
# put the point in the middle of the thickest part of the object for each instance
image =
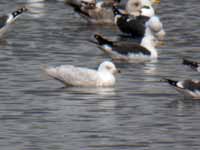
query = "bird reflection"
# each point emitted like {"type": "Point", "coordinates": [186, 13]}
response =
{"type": "Point", "coordinates": [109, 91]}
{"type": "Point", "coordinates": [36, 8]}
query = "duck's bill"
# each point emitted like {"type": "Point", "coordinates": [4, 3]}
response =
{"type": "Point", "coordinates": [156, 1]}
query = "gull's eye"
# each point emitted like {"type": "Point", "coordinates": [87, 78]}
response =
{"type": "Point", "coordinates": [136, 4]}
{"type": "Point", "coordinates": [109, 67]}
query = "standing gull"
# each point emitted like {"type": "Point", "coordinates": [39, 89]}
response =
{"type": "Point", "coordinates": [77, 76]}
{"type": "Point", "coordinates": [7, 20]}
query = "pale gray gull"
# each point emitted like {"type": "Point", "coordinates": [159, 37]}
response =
{"type": "Point", "coordinates": [70, 75]}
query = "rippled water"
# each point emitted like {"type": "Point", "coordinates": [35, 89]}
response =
{"type": "Point", "coordinates": [140, 112]}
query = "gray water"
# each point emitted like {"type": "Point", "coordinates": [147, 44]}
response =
{"type": "Point", "coordinates": [138, 113]}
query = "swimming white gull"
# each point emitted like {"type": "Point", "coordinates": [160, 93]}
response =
{"type": "Point", "coordinates": [7, 20]}
{"type": "Point", "coordinates": [77, 76]}
{"type": "Point", "coordinates": [194, 65]}
{"type": "Point", "coordinates": [189, 88]}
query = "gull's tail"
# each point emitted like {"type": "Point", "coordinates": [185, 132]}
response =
{"type": "Point", "coordinates": [50, 71]}
{"type": "Point", "coordinates": [171, 82]}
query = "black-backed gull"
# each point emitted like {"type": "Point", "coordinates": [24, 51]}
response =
{"type": "Point", "coordinates": [127, 51]}
{"type": "Point", "coordinates": [136, 26]}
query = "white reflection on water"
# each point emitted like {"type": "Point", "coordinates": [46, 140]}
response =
{"type": "Point", "coordinates": [104, 91]}
{"type": "Point", "coordinates": [150, 69]}
{"type": "Point", "coordinates": [36, 8]}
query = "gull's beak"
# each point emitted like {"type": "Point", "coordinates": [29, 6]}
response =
{"type": "Point", "coordinates": [160, 43]}
{"type": "Point", "coordinates": [156, 1]}
{"type": "Point", "coordinates": [117, 71]}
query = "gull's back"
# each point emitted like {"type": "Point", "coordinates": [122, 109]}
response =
{"type": "Point", "coordinates": [74, 76]}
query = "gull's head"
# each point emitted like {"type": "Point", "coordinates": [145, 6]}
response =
{"type": "Point", "coordinates": [155, 24]}
{"type": "Point", "coordinates": [88, 4]}
{"type": "Point", "coordinates": [108, 66]}
{"type": "Point", "coordinates": [155, 27]}
{"type": "Point", "coordinates": [133, 7]}
{"type": "Point", "coordinates": [160, 35]}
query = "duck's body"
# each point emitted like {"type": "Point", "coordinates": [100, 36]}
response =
{"type": "Point", "coordinates": [189, 88]}
{"type": "Point", "coordinates": [77, 76]}
{"type": "Point", "coordinates": [194, 65]}
{"type": "Point", "coordinates": [7, 20]}
{"type": "Point", "coordinates": [128, 51]}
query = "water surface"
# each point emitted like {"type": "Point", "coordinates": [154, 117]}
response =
{"type": "Point", "coordinates": [138, 113]}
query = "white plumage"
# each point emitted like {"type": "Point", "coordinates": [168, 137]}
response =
{"type": "Point", "coordinates": [77, 76]}
{"type": "Point", "coordinates": [155, 27]}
